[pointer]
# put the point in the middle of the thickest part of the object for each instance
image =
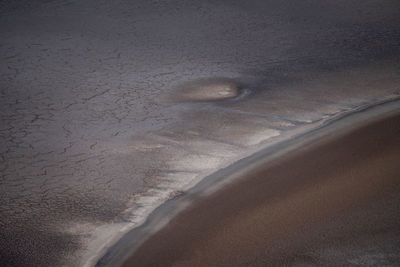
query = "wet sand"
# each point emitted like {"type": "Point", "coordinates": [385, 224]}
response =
{"type": "Point", "coordinates": [110, 109]}
{"type": "Point", "coordinates": [335, 202]}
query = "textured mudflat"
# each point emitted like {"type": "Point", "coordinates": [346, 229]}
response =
{"type": "Point", "coordinates": [110, 108]}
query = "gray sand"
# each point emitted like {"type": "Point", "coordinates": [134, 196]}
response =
{"type": "Point", "coordinates": [98, 127]}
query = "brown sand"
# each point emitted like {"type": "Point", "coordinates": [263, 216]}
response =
{"type": "Point", "coordinates": [336, 202]}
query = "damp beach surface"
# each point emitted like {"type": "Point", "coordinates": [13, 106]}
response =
{"type": "Point", "coordinates": [334, 201]}
{"type": "Point", "coordinates": [110, 109]}
{"type": "Point", "coordinates": [328, 196]}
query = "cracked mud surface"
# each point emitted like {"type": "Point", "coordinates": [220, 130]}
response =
{"type": "Point", "coordinates": [88, 144]}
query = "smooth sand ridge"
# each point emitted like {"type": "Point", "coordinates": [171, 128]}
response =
{"type": "Point", "coordinates": [333, 202]}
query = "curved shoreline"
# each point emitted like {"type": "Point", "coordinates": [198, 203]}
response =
{"type": "Point", "coordinates": [160, 216]}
